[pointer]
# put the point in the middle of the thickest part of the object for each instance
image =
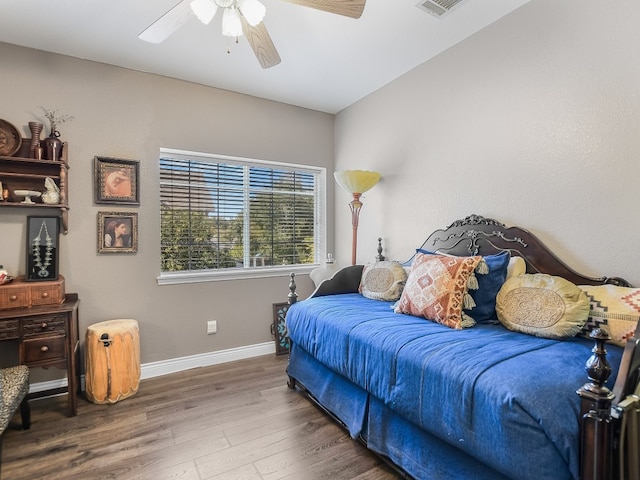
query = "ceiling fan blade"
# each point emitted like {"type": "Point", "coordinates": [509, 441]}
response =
{"type": "Point", "coordinates": [348, 8]}
{"type": "Point", "coordinates": [168, 23]}
{"type": "Point", "coordinates": [261, 43]}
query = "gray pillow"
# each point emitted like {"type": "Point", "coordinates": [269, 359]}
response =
{"type": "Point", "coordinates": [383, 281]}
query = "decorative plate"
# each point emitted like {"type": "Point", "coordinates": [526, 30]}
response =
{"type": "Point", "coordinates": [10, 139]}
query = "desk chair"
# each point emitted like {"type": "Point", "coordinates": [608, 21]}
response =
{"type": "Point", "coordinates": [14, 386]}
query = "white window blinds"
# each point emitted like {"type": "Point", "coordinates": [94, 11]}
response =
{"type": "Point", "coordinates": [228, 213]}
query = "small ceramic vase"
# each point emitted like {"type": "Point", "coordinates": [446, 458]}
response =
{"type": "Point", "coordinates": [36, 130]}
{"type": "Point", "coordinates": [53, 146]}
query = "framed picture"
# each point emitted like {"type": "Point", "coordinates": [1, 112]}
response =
{"type": "Point", "coordinates": [279, 328]}
{"type": "Point", "coordinates": [43, 235]}
{"type": "Point", "coordinates": [117, 232]}
{"type": "Point", "coordinates": [116, 181]}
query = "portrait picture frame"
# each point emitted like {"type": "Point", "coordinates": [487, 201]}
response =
{"type": "Point", "coordinates": [117, 181]}
{"type": "Point", "coordinates": [117, 232]}
{"type": "Point", "coordinates": [42, 249]}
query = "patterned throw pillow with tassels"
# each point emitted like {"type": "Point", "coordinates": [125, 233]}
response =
{"type": "Point", "coordinates": [438, 289]}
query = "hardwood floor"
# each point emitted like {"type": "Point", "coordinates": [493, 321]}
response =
{"type": "Point", "coordinates": [226, 422]}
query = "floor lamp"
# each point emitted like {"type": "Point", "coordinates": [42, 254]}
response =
{"type": "Point", "coordinates": [356, 182]}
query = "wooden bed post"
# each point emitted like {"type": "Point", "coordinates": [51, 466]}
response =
{"type": "Point", "coordinates": [380, 257]}
{"type": "Point", "coordinates": [293, 296]}
{"type": "Point", "coordinates": [596, 428]}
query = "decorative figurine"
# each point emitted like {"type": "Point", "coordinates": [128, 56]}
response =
{"type": "Point", "coordinates": [52, 195]}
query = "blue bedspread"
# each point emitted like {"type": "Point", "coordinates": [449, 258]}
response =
{"type": "Point", "coordinates": [508, 399]}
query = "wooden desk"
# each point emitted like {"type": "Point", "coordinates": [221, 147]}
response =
{"type": "Point", "coordinates": [48, 337]}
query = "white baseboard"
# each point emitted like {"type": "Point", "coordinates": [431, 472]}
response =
{"type": "Point", "coordinates": [164, 367]}
{"type": "Point", "coordinates": [174, 365]}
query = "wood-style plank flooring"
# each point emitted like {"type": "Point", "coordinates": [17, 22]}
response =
{"type": "Point", "coordinates": [226, 422]}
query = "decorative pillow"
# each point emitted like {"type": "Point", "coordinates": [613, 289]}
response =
{"type": "Point", "coordinates": [614, 309]}
{"type": "Point", "coordinates": [488, 286]}
{"type": "Point", "coordinates": [383, 281]}
{"type": "Point", "coordinates": [517, 266]}
{"type": "Point", "coordinates": [542, 305]}
{"type": "Point", "coordinates": [437, 289]}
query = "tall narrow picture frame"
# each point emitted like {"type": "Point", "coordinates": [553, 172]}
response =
{"type": "Point", "coordinates": [116, 181]}
{"type": "Point", "coordinates": [117, 232]}
{"type": "Point", "coordinates": [43, 241]}
{"type": "Point", "coordinates": [279, 328]}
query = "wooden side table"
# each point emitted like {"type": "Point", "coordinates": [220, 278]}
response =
{"type": "Point", "coordinates": [48, 337]}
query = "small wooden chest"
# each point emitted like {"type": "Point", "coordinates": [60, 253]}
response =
{"type": "Point", "coordinates": [20, 293]}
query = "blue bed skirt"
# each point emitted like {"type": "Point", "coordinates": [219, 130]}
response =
{"type": "Point", "coordinates": [415, 451]}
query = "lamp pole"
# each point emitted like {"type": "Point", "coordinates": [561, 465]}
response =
{"type": "Point", "coordinates": [356, 182]}
{"type": "Point", "coordinates": [355, 205]}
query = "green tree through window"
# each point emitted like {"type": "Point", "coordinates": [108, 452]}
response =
{"type": "Point", "coordinates": [222, 213]}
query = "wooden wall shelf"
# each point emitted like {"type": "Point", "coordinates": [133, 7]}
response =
{"type": "Point", "coordinates": [23, 173]}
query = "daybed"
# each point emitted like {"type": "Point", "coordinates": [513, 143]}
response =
{"type": "Point", "coordinates": [483, 402]}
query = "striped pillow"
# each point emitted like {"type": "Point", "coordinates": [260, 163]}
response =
{"type": "Point", "coordinates": [614, 309]}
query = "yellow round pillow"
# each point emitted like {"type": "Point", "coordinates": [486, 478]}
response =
{"type": "Point", "coordinates": [542, 305]}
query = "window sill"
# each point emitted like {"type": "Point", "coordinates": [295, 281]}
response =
{"type": "Point", "coordinates": [173, 278]}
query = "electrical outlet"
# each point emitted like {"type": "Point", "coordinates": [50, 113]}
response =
{"type": "Point", "coordinates": [212, 327]}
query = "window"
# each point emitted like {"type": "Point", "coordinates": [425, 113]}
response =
{"type": "Point", "coordinates": [225, 217]}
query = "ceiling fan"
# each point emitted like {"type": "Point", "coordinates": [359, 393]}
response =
{"type": "Point", "coordinates": [241, 17]}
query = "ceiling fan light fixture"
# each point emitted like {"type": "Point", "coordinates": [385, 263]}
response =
{"type": "Point", "coordinates": [205, 10]}
{"type": "Point", "coordinates": [231, 25]}
{"type": "Point", "coordinates": [252, 10]}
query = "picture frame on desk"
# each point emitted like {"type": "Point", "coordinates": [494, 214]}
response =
{"type": "Point", "coordinates": [117, 181]}
{"type": "Point", "coordinates": [42, 249]}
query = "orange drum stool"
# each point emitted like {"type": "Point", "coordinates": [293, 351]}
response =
{"type": "Point", "coordinates": [112, 360]}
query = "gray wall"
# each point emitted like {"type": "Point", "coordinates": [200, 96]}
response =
{"type": "Point", "coordinates": [532, 121]}
{"type": "Point", "coordinates": [125, 114]}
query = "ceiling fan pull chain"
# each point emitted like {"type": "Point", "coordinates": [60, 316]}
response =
{"type": "Point", "coordinates": [229, 43]}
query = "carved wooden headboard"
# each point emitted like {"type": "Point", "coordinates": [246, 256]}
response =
{"type": "Point", "coordinates": [477, 235]}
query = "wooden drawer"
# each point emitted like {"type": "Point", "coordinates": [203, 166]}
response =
{"type": "Point", "coordinates": [47, 293]}
{"type": "Point", "coordinates": [9, 329]}
{"type": "Point", "coordinates": [43, 325]}
{"type": "Point", "coordinates": [20, 293]}
{"type": "Point", "coordinates": [14, 296]}
{"type": "Point", "coordinates": [42, 349]}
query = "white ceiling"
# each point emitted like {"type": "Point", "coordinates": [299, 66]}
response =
{"type": "Point", "coordinates": [328, 61]}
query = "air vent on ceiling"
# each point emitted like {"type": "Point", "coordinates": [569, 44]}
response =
{"type": "Point", "coordinates": [439, 8]}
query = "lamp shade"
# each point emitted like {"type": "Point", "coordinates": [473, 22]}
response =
{"type": "Point", "coordinates": [318, 275]}
{"type": "Point", "coordinates": [231, 25]}
{"type": "Point", "coordinates": [356, 181]}
{"type": "Point", "coordinates": [252, 10]}
{"type": "Point", "coordinates": [205, 10]}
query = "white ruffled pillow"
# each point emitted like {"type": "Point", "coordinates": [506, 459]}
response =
{"type": "Point", "coordinates": [517, 266]}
